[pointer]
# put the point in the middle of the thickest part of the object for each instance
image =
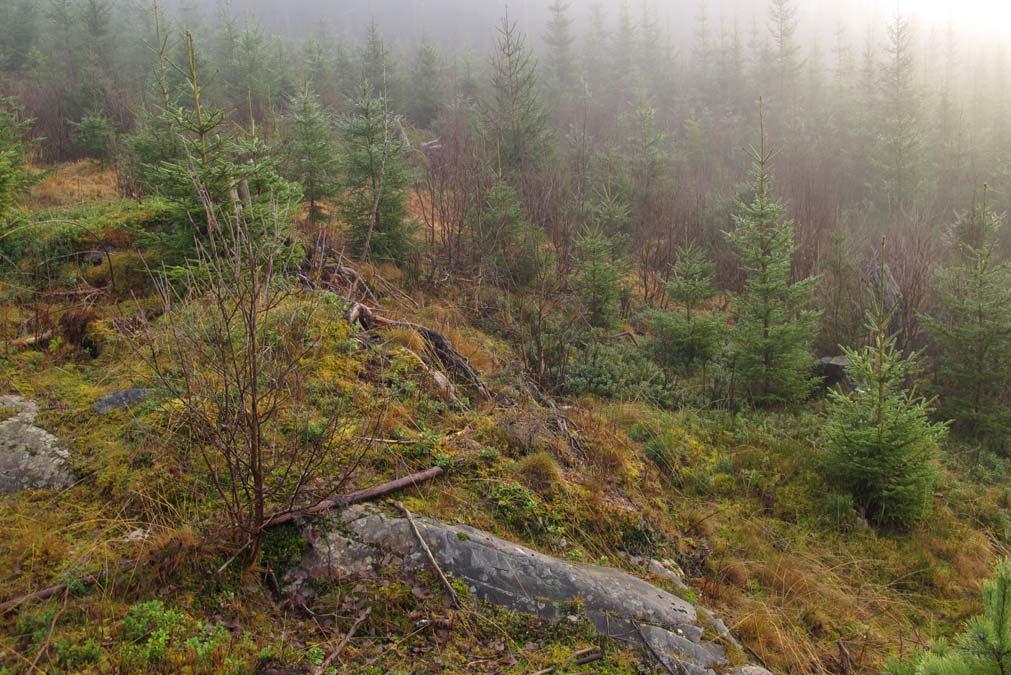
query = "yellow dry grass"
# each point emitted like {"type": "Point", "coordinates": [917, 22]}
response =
{"type": "Point", "coordinates": [72, 184]}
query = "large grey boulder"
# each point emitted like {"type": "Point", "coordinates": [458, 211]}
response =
{"type": "Point", "coordinates": [623, 607]}
{"type": "Point", "coordinates": [30, 457]}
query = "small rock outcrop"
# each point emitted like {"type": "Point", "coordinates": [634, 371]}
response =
{"type": "Point", "coordinates": [119, 400]}
{"type": "Point", "coordinates": [833, 371]}
{"type": "Point", "coordinates": [30, 457]}
{"type": "Point", "coordinates": [357, 542]}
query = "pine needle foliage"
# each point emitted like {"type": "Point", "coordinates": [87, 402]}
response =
{"type": "Point", "coordinates": [598, 278]}
{"type": "Point", "coordinates": [686, 339]}
{"type": "Point", "coordinates": [426, 85]}
{"type": "Point", "coordinates": [374, 178]}
{"type": "Point", "coordinates": [514, 117]}
{"type": "Point", "coordinates": [971, 329]}
{"type": "Point", "coordinates": [775, 326]}
{"type": "Point", "coordinates": [983, 647]}
{"type": "Point", "coordinates": [15, 177]}
{"type": "Point", "coordinates": [310, 155]}
{"type": "Point", "coordinates": [880, 442]}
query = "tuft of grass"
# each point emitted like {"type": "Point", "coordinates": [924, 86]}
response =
{"type": "Point", "coordinates": [541, 473]}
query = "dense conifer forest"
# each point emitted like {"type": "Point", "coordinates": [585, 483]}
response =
{"type": "Point", "coordinates": [404, 337]}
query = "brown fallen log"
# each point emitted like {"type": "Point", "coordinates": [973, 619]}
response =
{"type": "Point", "coordinates": [443, 349]}
{"type": "Point", "coordinates": [355, 497]}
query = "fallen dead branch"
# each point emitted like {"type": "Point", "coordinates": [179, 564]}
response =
{"type": "Point", "coordinates": [334, 276]}
{"type": "Point", "coordinates": [52, 627]}
{"type": "Point", "coordinates": [52, 591]}
{"type": "Point", "coordinates": [356, 497]}
{"type": "Point", "coordinates": [442, 384]}
{"type": "Point", "coordinates": [573, 438]}
{"type": "Point", "coordinates": [588, 658]}
{"type": "Point", "coordinates": [646, 643]}
{"type": "Point", "coordinates": [845, 660]}
{"type": "Point", "coordinates": [389, 441]}
{"type": "Point", "coordinates": [440, 346]}
{"type": "Point", "coordinates": [344, 642]}
{"type": "Point", "coordinates": [431, 558]}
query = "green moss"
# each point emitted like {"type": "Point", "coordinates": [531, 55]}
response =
{"type": "Point", "coordinates": [125, 274]}
{"type": "Point", "coordinates": [282, 549]}
{"type": "Point", "coordinates": [522, 510]}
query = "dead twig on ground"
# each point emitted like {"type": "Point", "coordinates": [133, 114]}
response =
{"type": "Point", "coordinates": [344, 642]}
{"type": "Point", "coordinates": [52, 627]}
{"type": "Point", "coordinates": [52, 591]}
{"type": "Point", "coordinates": [579, 657]}
{"type": "Point", "coordinates": [278, 519]}
{"type": "Point", "coordinates": [431, 558]}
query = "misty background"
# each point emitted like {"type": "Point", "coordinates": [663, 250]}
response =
{"type": "Point", "coordinates": [886, 118]}
{"type": "Point", "coordinates": [469, 23]}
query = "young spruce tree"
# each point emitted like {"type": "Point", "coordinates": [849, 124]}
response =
{"type": "Point", "coordinates": [374, 179]}
{"type": "Point", "coordinates": [514, 116]}
{"type": "Point", "coordinates": [426, 86]}
{"type": "Point", "coordinates": [983, 647]}
{"type": "Point", "coordinates": [210, 163]}
{"type": "Point", "coordinates": [95, 134]}
{"type": "Point", "coordinates": [598, 279]}
{"type": "Point", "coordinates": [775, 326]}
{"type": "Point", "coordinates": [685, 339]}
{"type": "Point", "coordinates": [879, 440]}
{"type": "Point", "coordinates": [15, 177]}
{"type": "Point", "coordinates": [310, 155]}
{"type": "Point", "coordinates": [971, 329]}
{"type": "Point", "coordinates": [559, 39]}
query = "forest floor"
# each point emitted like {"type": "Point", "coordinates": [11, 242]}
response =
{"type": "Point", "coordinates": [735, 500]}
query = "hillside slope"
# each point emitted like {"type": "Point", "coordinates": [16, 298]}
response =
{"type": "Point", "coordinates": [734, 501]}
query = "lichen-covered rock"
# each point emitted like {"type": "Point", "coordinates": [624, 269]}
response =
{"type": "Point", "coordinates": [519, 577]}
{"type": "Point", "coordinates": [679, 653]}
{"type": "Point", "coordinates": [30, 457]}
{"type": "Point", "coordinates": [621, 606]}
{"type": "Point", "coordinates": [669, 570]}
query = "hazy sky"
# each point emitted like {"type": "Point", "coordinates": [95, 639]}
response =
{"type": "Point", "coordinates": [471, 21]}
{"type": "Point", "coordinates": [987, 15]}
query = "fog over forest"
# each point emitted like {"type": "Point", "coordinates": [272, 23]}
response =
{"type": "Point", "coordinates": [463, 22]}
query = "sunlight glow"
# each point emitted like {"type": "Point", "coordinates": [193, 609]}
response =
{"type": "Point", "coordinates": [992, 16]}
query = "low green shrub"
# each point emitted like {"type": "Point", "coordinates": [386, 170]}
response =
{"type": "Point", "coordinates": [618, 372]}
